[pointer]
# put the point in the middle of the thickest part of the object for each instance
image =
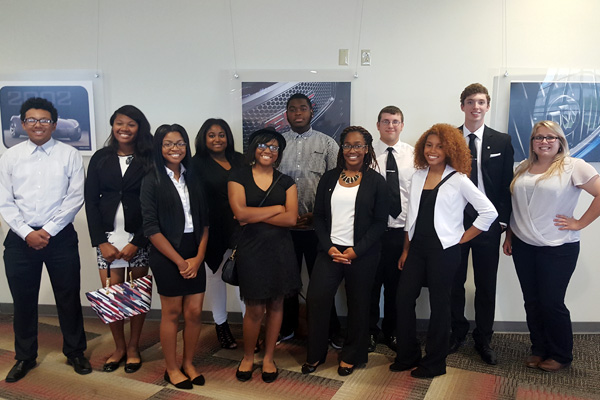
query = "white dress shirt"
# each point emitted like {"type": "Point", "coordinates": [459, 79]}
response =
{"type": "Point", "coordinates": [40, 186]}
{"type": "Point", "coordinates": [184, 195]}
{"type": "Point", "coordinates": [404, 154]}
{"type": "Point", "coordinates": [536, 202]}
{"type": "Point", "coordinates": [449, 207]}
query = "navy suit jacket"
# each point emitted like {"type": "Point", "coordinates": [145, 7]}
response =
{"type": "Point", "coordinates": [497, 160]}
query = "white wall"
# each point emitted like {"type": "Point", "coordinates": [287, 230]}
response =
{"type": "Point", "coordinates": [175, 61]}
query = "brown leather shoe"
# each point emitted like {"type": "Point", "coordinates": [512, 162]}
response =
{"type": "Point", "coordinates": [551, 365]}
{"type": "Point", "coordinates": [533, 361]}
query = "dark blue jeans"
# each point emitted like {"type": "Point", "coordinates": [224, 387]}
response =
{"type": "Point", "coordinates": [544, 273]}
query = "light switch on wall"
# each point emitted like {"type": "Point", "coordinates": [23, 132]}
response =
{"type": "Point", "coordinates": [343, 57]}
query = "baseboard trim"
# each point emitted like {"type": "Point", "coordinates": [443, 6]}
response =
{"type": "Point", "coordinates": [236, 317]}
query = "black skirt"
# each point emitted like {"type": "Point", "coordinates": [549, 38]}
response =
{"type": "Point", "coordinates": [169, 281]}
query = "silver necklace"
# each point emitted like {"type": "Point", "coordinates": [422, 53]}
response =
{"type": "Point", "coordinates": [349, 180]}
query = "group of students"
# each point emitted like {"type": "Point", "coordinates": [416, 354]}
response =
{"type": "Point", "coordinates": [149, 203]}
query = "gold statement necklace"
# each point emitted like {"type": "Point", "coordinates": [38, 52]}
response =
{"type": "Point", "coordinates": [349, 180]}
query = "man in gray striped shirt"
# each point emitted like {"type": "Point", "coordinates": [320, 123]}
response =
{"type": "Point", "coordinates": [308, 155]}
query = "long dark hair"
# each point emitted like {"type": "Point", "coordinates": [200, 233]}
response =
{"type": "Point", "coordinates": [369, 160]}
{"type": "Point", "coordinates": [143, 139]}
{"type": "Point", "coordinates": [165, 193]}
{"type": "Point", "coordinates": [200, 142]}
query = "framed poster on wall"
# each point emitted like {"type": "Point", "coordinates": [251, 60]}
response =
{"type": "Point", "coordinates": [73, 100]}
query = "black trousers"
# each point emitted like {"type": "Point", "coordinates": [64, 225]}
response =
{"type": "Point", "coordinates": [24, 271]}
{"type": "Point", "coordinates": [326, 278]}
{"type": "Point", "coordinates": [305, 246]}
{"type": "Point", "coordinates": [388, 274]}
{"type": "Point", "coordinates": [485, 250]}
{"type": "Point", "coordinates": [544, 273]}
{"type": "Point", "coordinates": [426, 262]}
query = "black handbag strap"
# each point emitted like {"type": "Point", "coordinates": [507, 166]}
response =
{"type": "Point", "coordinates": [260, 205]}
{"type": "Point", "coordinates": [444, 180]}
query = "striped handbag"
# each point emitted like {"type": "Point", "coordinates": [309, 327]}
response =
{"type": "Point", "coordinates": [122, 301]}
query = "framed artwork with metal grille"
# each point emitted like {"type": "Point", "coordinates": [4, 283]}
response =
{"type": "Point", "coordinates": [264, 105]}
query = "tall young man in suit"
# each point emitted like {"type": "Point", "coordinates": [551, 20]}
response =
{"type": "Point", "coordinates": [492, 171]}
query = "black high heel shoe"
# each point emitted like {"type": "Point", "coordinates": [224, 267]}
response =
{"type": "Point", "coordinates": [198, 381]}
{"type": "Point", "coordinates": [185, 384]}
{"type": "Point", "coordinates": [226, 339]}
{"type": "Point", "coordinates": [243, 376]}
{"type": "Point", "coordinates": [309, 368]}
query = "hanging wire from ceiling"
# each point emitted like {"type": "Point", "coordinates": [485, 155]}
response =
{"type": "Point", "coordinates": [235, 74]}
{"type": "Point", "coordinates": [358, 55]}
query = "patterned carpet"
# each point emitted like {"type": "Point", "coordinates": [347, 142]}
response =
{"type": "Point", "coordinates": [467, 377]}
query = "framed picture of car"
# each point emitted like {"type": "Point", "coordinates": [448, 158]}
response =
{"type": "Point", "coordinates": [73, 100]}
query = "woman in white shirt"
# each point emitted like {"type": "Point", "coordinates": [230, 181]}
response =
{"type": "Point", "coordinates": [439, 191]}
{"type": "Point", "coordinates": [543, 238]}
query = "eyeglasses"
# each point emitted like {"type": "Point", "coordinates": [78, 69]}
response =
{"type": "Point", "coordinates": [33, 121]}
{"type": "Point", "coordinates": [549, 139]}
{"type": "Point", "coordinates": [169, 145]}
{"type": "Point", "coordinates": [347, 147]}
{"type": "Point", "coordinates": [263, 147]}
{"type": "Point", "coordinates": [395, 122]}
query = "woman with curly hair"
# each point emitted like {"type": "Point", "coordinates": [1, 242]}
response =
{"type": "Point", "coordinates": [440, 190]}
{"type": "Point", "coordinates": [543, 239]}
{"type": "Point", "coordinates": [350, 215]}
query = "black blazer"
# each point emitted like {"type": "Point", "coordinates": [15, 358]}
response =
{"type": "Point", "coordinates": [370, 215]}
{"type": "Point", "coordinates": [105, 188]}
{"type": "Point", "coordinates": [169, 219]}
{"type": "Point", "coordinates": [497, 171]}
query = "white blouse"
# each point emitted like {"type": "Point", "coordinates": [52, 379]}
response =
{"type": "Point", "coordinates": [343, 203]}
{"type": "Point", "coordinates": [536, 202]}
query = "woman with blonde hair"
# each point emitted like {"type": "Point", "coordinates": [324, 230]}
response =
{"type": "Point", "coordinates": [440, 190]}
{"type": "Point", "coordinates": [543, 238]}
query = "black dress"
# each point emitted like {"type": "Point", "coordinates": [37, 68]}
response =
{"type": "Point", "coordinates": [266, 262]}
{"type": "Point", "coordinates": [222, 225]}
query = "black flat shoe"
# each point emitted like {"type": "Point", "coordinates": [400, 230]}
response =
{"type": "Point", "coordinates": [185, 384]}
{"type": "Point", "coordinates": [244, 376]}
{"type": "Point", "coordinates": [269, 377]}
{"type": "Point", "coordinates": [345, 371]}
{"type": "Point", "coordinates": [133, 367]}
{"type": "Point", "coordinates": [309, 369]}
{"type": "Point", "coordinates": [19, 370]}
{"type": "Point", "coordinates": [422, 373]}
{"type": "Point", "coordinates": [198, 381]}
{"type": "Point", "coordinates": [113, 365]}
{"type": "Point", "coordinates": [399, 367]}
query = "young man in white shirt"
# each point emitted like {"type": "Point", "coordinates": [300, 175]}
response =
{"type": "Point", "coordinates": [41, 191]}
{"type": "Point", "coordinates": [397, 170]}
{"type": "Point", "coordinates": [492, 172]}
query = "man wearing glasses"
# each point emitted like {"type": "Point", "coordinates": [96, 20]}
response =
{"type": "Point", "coordinates": [308, 155]}
{"type": "Point", "coordinates": [492, 171]}
{"type": "Point", "coordinates": [41, 191]}
{"type": "Point", "coordinates": [395, 160]}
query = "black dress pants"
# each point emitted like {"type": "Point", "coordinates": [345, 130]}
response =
{"type": "Point", "coordinates": [426, 262]}
{"type": "Point", "coordinates": [544, 273]}
{"type": "Point", "coordinates": [388, 274]}
{"type": "Point", "coordinates": [485, 250]}
{"type": "Point", "coordinates": [326, 278]}
{"type": "Point", "coordinates": [305, 246]}
{"type": "Point", "coordinates": [24, 270]}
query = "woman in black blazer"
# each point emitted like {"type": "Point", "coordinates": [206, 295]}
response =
{"type": "Point", "coordinates": [176, 222]}
{"type": "Point", "coordinates": [350, 215]}
{"type": "Point", "coordinates": [112, 192]}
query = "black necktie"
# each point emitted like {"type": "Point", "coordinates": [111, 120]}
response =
{"type": "Point", "coordinates": [391, 177]}
{"type": "Point", "coordinates": [473, 149]}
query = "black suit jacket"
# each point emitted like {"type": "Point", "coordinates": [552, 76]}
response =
{"type": "Point", "coordinates": [105, 188]}
{"type": "Point", "coordinates": [370, 212]}
{"type": "Point", "coordinates": [497, 160]}
{"type": "Point", "coordinates": [169, 219]}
